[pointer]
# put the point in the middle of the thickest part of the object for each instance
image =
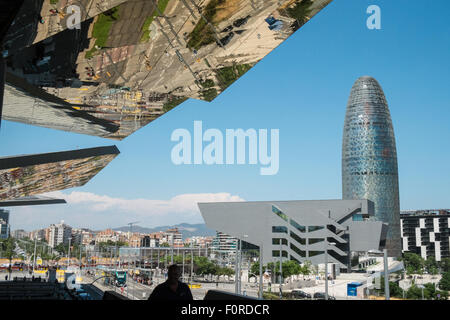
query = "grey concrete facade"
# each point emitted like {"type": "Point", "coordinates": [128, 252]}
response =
{"type": "Point", "coordinates": [302, 227]}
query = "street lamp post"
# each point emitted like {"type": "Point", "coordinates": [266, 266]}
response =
{"type": "Point", "coordinates": [236, 267]}
{"type": "Point", "coordinates": [68, 254]}
{"type": "Point", "coordinates": [171, 252]}
{"type": "Point", "coordinates": [239, 265]}
{"type": "Point", "coordinates": [326, 265]}
{"type": "Point", "coordinates": [281, 270]}
{"type": "Point", "coordinates": [261, 286]}
{"type": "Point", "coordinates": [81, 247]}
{"type": "Point", "coordinates": [386, 275]}
{"type": "Point", "coordinates": [192, 265]}
{"type": "Point", "coordinates": [34, 255]}
{"type": "Point", "coordinates": [183, 265]}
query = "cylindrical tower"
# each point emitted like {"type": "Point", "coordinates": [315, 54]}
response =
{"type": "Point", "coordinates": [369, 157]}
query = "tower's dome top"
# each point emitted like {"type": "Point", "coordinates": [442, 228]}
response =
{"type": "Point", "coordinates": [365, 78]}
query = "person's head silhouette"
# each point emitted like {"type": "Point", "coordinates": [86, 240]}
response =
{"type": "Point", "coordinates": [173, 273]}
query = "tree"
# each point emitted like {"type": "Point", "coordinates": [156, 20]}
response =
{"type": "Point", "coordinates": [444, 284]}
{"type": "Point", "coordinates": [394, 289]}
{"type": "Point", "coordinates": [300, 11]}
{"type": "Point", "coordinates": [413, 263]}
{"type": "Point", "coordinates": [431, 265]}
{"type": "Point", "coordinates": [61, 249]}
{"type": "Point", "coordinates": [307, 268]}
{"type": "Point", "coordinates": [414, 292]}
{"type": "Point", "coordinates": [429, 292]}
{"type": "Point", "coordinates": [204, 266]}
{"type": "Point", "coordinates": [109, 243]}
{"type": "Point", "coordinates": [8, 246]}
{"type": "Point", "coordinates": [255, 268]}
{"type": "Point", "coordinates": [224, 271]}
{"type": "Point", "coordinates": [289, 267]}
{"type": "Point", "coordinates": [445, 265]}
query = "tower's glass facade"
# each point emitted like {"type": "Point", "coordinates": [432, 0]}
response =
{"type": "Point", "coordinates": [369, 156]}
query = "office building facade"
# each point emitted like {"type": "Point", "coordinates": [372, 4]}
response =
{"type": "Point", "coordinates": [426, 232]}
{"type": "Point", "coordinates": [369, 157]}
{"type": "Point", "coordinates": [300, 230]}
{"type": "Point", "coordinates": [19, 234]}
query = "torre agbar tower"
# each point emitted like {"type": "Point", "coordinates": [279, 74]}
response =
{"type": "Point", "coordinates": [369, 157]}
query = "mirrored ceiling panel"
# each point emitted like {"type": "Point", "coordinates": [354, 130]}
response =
{"type": "Point", "coordinates": [28, 175]}
{"type": "Point", "coordinates": [129, 62]}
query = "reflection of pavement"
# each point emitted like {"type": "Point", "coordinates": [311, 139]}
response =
{"type": "Point", "coordinates": [138, 291]}
{"type": "Point", "coordinates": [132, 15]}
{"type": "Point", "coordinates": [55, 23]}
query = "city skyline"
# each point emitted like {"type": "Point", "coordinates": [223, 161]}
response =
{"type": "Point", "coordinates": [305, 102]}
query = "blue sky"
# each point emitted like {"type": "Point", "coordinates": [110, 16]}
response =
{"type": "Point", "coordinates": [301, 88]}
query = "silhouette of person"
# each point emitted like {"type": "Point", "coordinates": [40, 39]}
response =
{"type": "Point", "coordinates": [172, 288]}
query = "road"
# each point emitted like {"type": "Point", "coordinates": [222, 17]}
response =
{"type": "Point", "coordinates": [138, 291]}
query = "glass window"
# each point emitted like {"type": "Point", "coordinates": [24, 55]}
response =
{"type": "Point", "coordinates": [279, 213]}
{"type": "Point", "coordinates": [276, 253]}
{"type": "Point", "coordinates": [297, 226]}
{"type": "Point", "coordinates": [315, 240]}
{"type": "Point", "coordinates": [301, 253]}
{"type": "Point", "coordinates": [297, 238]}
{"type": "Point", "coordinates": [315, 253]}
{"type": "Point", "coordinates": [314, 228]}
{"type": "Point", "coordinates": [279, 229]}
{"type": "Point", "coordinates": [276, 241]}
{"type": "Point", "coordinates": [357, 217]}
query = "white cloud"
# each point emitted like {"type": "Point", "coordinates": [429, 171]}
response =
{"type": "Point", "coordinates": [90, 210]}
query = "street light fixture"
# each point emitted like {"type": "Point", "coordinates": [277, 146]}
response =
{"type": "Point", "coordinates": [281, 269]}
{"type": "Point", "coordinates": [326, 264]}
{"type": "Point", "coordinates": [238, 265]}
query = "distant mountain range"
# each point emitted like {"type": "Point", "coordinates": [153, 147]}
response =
{"type": "Point", "coordinates": [187, 230]}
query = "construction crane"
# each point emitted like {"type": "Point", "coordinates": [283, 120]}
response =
{"type": "Point", "coordinates": [131, 225]}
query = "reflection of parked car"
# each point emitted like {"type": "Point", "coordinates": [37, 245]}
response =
{"type": "Point", "coordinates": [224, 41]}
{"type": "Point", "coordinates": [299, 294]}
{"type": "Point", "coordinates": [273, 23]}
{"type": "Point", "coordinates": [241, 22]}
{"type": "Point", "coordinates": [321, 296]}
{"type": "Point", "coordinates": [277, 25]}
{"type": "Point", "coordinates": [270, 20]}
{"type": "Point", "coordinates": [229, 28]}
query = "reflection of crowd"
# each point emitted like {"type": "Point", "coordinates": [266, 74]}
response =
{"type": "Point", "coordinates": [143, 279]}
{"type": "Point", "coordinates": [89, 71]}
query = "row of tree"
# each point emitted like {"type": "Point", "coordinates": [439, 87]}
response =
{"type": "Point", "coordinates": [289, 268]}
{"type": "Point", "coordinates": [430, 292]}
{"type": "Point", "coordinates": [202, 265]}
{"type": "Point", "coordinates": [415, 264]}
